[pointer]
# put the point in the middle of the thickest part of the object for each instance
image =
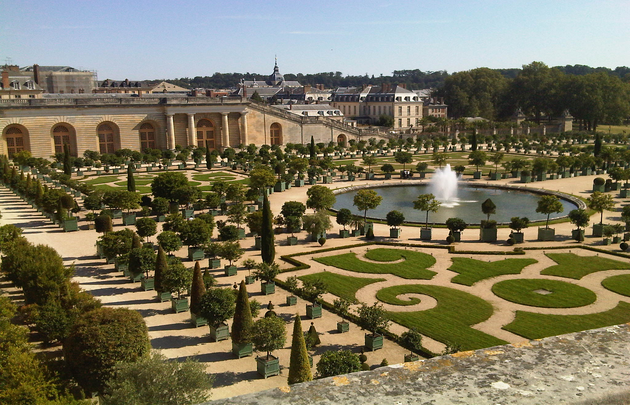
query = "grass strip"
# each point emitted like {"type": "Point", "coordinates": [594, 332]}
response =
{"type": "Point", "coordinates": [551, 293]}
{"type": "Point", "coordinates": [471, 270]}
{"type": "Point", "coordinates": [340, 285]}
{"type": "Point", "coordinates": [573, 266]}
{"type": "Point", "coordinates": [618, 284]}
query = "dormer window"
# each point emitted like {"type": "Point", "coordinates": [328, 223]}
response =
{"type": "Point", "coordinates": [29, 85]}
{"type": "Point", "coordinates": [305, 113]}
{"type": "Point", "coordinates": [397, 98]}
{"type": "Point", "coordinates": [15, 85]}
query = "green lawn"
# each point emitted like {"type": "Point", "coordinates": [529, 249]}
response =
{"type": "Point", "coordinates": [341, 286]}
{"type": "Point", "coordinates": [414, 267]}
{"type": "Point", "coordinates": [574, 266]}
{"type": "Point", "coordinates": [102, 180]}
{"type": "Point", "coordinates": [538, 326]}
{"type": "Point", "coordinates": [213, 176]}
{"type": "Point", "coordinates": [449, 321]}
{"type": "Point", "coordinates": [471, 271]}
{"type": "Point", "coordinates": [558, 294]}
{"type": "Point", "coordinates": [619, 284]}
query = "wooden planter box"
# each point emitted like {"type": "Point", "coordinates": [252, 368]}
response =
{"type": "Point", "coordinates": [545, 234]}
{"type": "Point", "coordinates": [314, 311]}
{"type": "Point", "coordinates": [129, 219]}
{"type": "Point", "coordinates": [356, 232]}
{"type": "Point", "coordinates": [411, 357]}
{"type": "Point", "coordinates": [299, 183]}
{"type": "Point", "coordinates": [120, 264]}
{"type": "Point", "coordinates": [230, 270]}
{"type": "Point", "coordinates": [369, 176]}
{"type": "Point", "coordinates": [578, 235]}
{"type": "Point", "coordinates": [606, 241]}
{"type": "Point", "coordinates": [268, 366]}
{"type": "Point", "coordinates": [598, 230]}
{"type": "Point", "coordinates": [195, 253]}
{"type": "Point", "coordinates": [426, 233]}
{"type": "Point", "coordinates": [214, 263]}
{"type": "Point", "coordinates": [180, 305]}
{"type": "Point", "coordinates": [147, 284]}
{"type": "Point", "coordinates": [161, 218]}
{"type": "Point", "coordinates": [250, 279]}
{"type": "Point", "coordinates": [242, 349]}
{"type": "Point", "coordinates": [134, 277]}
{"type": "Point", "coordinates": [616, 239]}
{"type": "Point", "coordinates": [388, 176]}
{"type": "Point", "coordinates": [164, 296]}
{"type": "Point", "coordinates": [395, 232]}
{"type": "Point", "coordinates": [291, 300]}
{"type": "Point", "coordinates": [344, 233]}
{"type": "Point", "coordinates": [70, 225]}
{"type": "Point", "coordinates": [343, 327]}
{"type": "Point", "coordinates": [116, 214]}
{"type": "Point", "coordinates": [197, 320]}
{"type": "Point", "coordinates": [373, 341]}
{"type": "Point", "coordinates": [526, 179]}
{"type": "Point", "coordinates": [488, 234]}
{"type": "Point", "coordinates": [599, 187]}
{"type": "Point", "coordinates": [477, 175]}
{"type": "Point", "coordinates": [328, 180]}
{"type": "Point", "coordinates": [280, 186]}
{"type": "Point", "coordinates": [268, 288]}
{"type": "Point", "coordinates": [292, 240]}
{"type": "Point", "coordinates": [219, 333]}
{"type": "Point", "coordinates": [495, 176]}
{"type": "Point", "coordinates": [257, 242]}
{"type": "Point", "coordinates": [519, 237]}
{"type": "Point", "coordinates": [186, 213]}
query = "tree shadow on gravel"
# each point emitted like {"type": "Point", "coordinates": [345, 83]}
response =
{"type": "Point", "coordinates": [146, 313]}
{"type": "Point", "coordinates": [170, 326]}
{"type": "Point", "coordinates": [230, 378]}
{"type": "Point", "coordinates": [109, 291]}
{"type": "Point", "coordinates": [177, 342]}
{"type": "Point", "coordinates": [134, 302]}
{"type": "Point", "coordinates": [88, 270]}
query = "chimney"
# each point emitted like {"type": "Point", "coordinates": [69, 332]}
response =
{"type": "Point", "coordinates": [5, 79]}
{"type": "Point", "coordinates": [307, 88]}
{"type": "Point", "coordinates": [36, 73]}
{"type": "Point", "coordinates": [403, 85]}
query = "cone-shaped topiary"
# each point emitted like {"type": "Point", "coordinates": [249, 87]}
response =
{"type": "Point", "coordinates": [267, 239]}
{"type": "Point", "coordinates": [312, 337]}
{"type": "Point", "coordinates": [161, 265]}
{"type": "Point", "coordinates": [136, 242]}
{"type": "Point", "coordinates": [131, 181]}
{"type": "Point", "coordinates": [242, 325]}
{"type": "Point", "coordinates": [198, 289]}
{"type": "Point", "coordinates": [299, 367]}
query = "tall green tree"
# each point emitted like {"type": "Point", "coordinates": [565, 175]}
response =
{"type": "Point", "coordinates": [243, 321]}
{"type": "Point", "coordinates": [267, 238]}
{"type": "Point", "coordinates": [366, 200]}
{"type": "Point", "coordinates": [600, 202]}
{"type": "Point", "coordinates": [428, 203]}
{"type": "Point", "coordinates": [299, 367]}
{"type": "Point", "coordinates": [198, 289]}
{"type": "Point", "coordinates": [548, 204]}
{"type": "Point", "coordinates": [320, 198]}
{"type": "Point", "coordinates": [313, 149]}
{"type": "Point", "coordinates": [67, 160]}
{"type": "Point", "coordinates": [161, 266]}
{"type": "Point", "coordinates": [131, 181]}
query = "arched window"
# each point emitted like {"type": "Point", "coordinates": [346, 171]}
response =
{"type": "Point", "coordinates": [205, 134]}
{"type": "Point", "coordinates": [15, 141]}
{"type": "Point", "coordinates": [106, 138]}
{"type": "Point", "coordinates": [62, 136]}
{"type": "Point", "coordinates": [147, 137]}
{"type": "Point", "coordinates": [275, 134]}
{"type": "Point", "coordinates": [341, 140]}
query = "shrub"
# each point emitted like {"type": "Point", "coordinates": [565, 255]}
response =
{"type": "Point", "coordinates": [510, 242]}
{"type": "Point", "coordinates": [217, 305]}
{"type": "Point", "coordinates": [370, 234]}
{"type": "Point", "coordinates": [321, 241]}
{"type": "Point", "coordinates": [411, 339]}
{"type": "Point", "coordinates": [450, 239]}
{"type": "Point", "coordinates": [100, 339]}
{"type": "Point", "coordinates": [254, 307]}
{"type": "Point", "coordinates": [52, 321]}
{"type": "Point", "coordinates": [362, 358]}
{"type": "Point", "coordinates": [269, 334]}
{"type": "Point", "coordinates": [339, 362]}
{"type": "Point", "coordinates": [598, 181]}
{"type": "Point", "coordinates": [623, 246]}
{"type": "Point", "coordinates": [365, 367]}
{"type": "Point", "coordinates": [384, 363]}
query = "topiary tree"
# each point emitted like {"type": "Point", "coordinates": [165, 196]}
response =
{"type": "Point", "coordinates": [373, 318]}
{"type": "Point", "coordinates": [217, 305]}
{"type": "Point", "coordinates": [428, 203]}
{"type": "Point", "coordinates": [267, 272]}
{"type": "Point", "coordinates": [548, 204]}
{"type": "Point", "coordinates": [366, 200]}
{"type": "Point", "coordinates": [176, 278]}
{"type": "Point", "coordinates": [316, 224]}
{"type": "Point", "coordinates": [600, 202]}
{"type": "Point", "coordinates": [169, 241]}
{"type": "Point", "coordinates": [231, 251]}
{"type": "Point", "coordinates": [518, 223]}
{"type": "Point", "coordinates": [312, 339]}
{"type": "Point", "coordinates": [338, 362]}
{"type": "Point", "coordinates": [146, 227]}
{"type": "Point", "coordinates": [579, 218]}
{"type": "Point", "coordinates": [267, 238]}
{"type": "Point", "coordinates": [269, 334]}
{"type": "Point", "coordinates": [411, 339]}
{"type": "Point", "coordinates": [99, 340]}
{"type": "Point", "coordinates": [344, 216]}
{"type": "Point", "coordinates": [299, 367]}
{"type": "Point", "coordinates": [403, 158]}
{"type": "Point", "coordinates": [103, 224]}
{"type": "Point", "coordinates": [477, 158]}
{"type": "Point", "coordinates": [198, 289]}
{"type": "Point", "coordinates": [395, 218]}
{"type": "Point", "coordinates": [488, 207]}
{"type": "Point", "coordinates": [243, 320]}
{"type": "Point", "coordinates": [141, 260]}
{"type": "Point", "coordinates": [131, 181]}
{"type": "Point", "coordinates": [320, 198]}
{"type": "Point", "coordinates": [387, 168]}
{"type": "Point", "coordinates": [161, 266]}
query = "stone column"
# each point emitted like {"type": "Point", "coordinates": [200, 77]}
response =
{"type": "Point", "coordinates": [170, 131]}
{"type": "Point", "coordinates": [191, 129]}
{"type": "Point", "coordinates": [226, 131]}
{"type": "Point", "coordinates": [244, 139]}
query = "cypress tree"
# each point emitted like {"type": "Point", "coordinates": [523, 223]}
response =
{"type": "Point", "coordinates": [313, 151]}
{"type": "Point", "coordinates": [67, 162]}
{"type": "Point", "coordinates": [198, 289]}
{"type": "Point", "coordinates": [597, 147]}
{"type": "Point", "coordinates": [136, 242]}
{"type": "Point", "coordinates": [242, 324]}
{"type": "Point", "coordinates": [208, 159]}
{"type": "Point", "coordinates": [473, 140]}
{"type": "Point", "coordinates": [299, 367]}
{"type": "Point", "coordinates": [267, 239]}
{"type": "Point", "coordinates": [131, 181]}
{"type": "Point", "coordinates": [161, 265]}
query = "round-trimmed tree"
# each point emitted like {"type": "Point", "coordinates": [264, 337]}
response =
{"type": "Point", "coordinates": [269, 334]}
{"type": "Point", "coordinates": [217, 305]}
{"type": "Point", "coordinates": [333, 363]}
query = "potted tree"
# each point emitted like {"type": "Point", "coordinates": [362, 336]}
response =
{"type": "Point", "coordinates": [217, 306]}
{"type": "Point", "coordinates": [600, 202]}
{"type": "Point", "coordinates": [317, 225]}
{"type": "Point", "coordinates": [267, 273]}
{"type": "Point", "coordinates": [411, 339]}
{"type": "Point", "coordinates": [169, 241]}
{"type": "Point", "coordinates": [242, 325]}
{"type": "Point", "coordinates": [341, 306]}
{"type": "Point", "coordinates": [344, 216]}
{"type": "Point", "coordinates": [146, 227]}
{"type": "Point", "coordinates": [455, 227]}
{"type": "Point", "coordinates": [394, 220]}
{"type": "Point", "coordinates": [196, 234]}
{"type": "Point", "coordinates": [236, 214]}
{"type": "Point", "coordinates": [268, 334]}
{"type": "Point", "coordinates": [175, 279]}
{"type": "Point", "coordinates": [517, 224]}
{"type": "Point", "coordinates": [617, 229]}
{"type": "Point", "coordinates": [599, 184]}
{"type": "Point", "coordinates": [291, 284]}
{"type": "Point", "coordinates": [607, 232]}
{"type": "Point", "coordinates": [213, 251]}
{"type": "Point", "coordinates": [197, 291]}
{"type": "Point", "coordinates": [372, 318]}
{"type": "Point", "coordinates": [366, 200]}
{"type": "Point", "coordinates": [421, 168]}
{"type": "Point", "coordinates": [388, 169]}
{"type": "Point", "coordinates": [160, 208]}
{"type": "Point", "coordinates": [548, 204]}
{"type": "Point", "coordinates": [477, 158]}
{"type": "Point", "coordinates": [579, 218]}
{"type": "Point", "coordinates": [292, 211]}
{"type": "Point", "coordinates": [249, 264]}
{"type": "Point", "coordinates": [230, 251]}
{"type": "Point", "coordinates": [526, 176]}
{"type": "Point", "coordinates": [312, 291]}
{"type": "Point", "coordinates": [69, 223]}
{"type": "Point", "coordinates": [488, 228]}
{"type": "Point", "coordinates": [141, 262]}
{"type": "Point", "coordinates": [428, 203]}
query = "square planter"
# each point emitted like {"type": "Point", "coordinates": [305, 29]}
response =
{"type": "Point", "coordinates": [356, 232]}
{"type": "Point", "coordinates": [242, 349]}
{"type": "Point", "coordinates": [541, 177]}
{"type": "Point", "coordinates": [250, 279]}
{"type": "Point", "coordinates": [230, 270]}
{"type": "Point", "coordinates": [186, 213]}
{"type": "Point", "coordinates": [598, 230]}
{"type": "Point", "coordinates": [599, 187]}
{"type": "Point", "coordinates": [369, 176]}
{"type": "Point", "coordinates": [161, 218]}
{"type": "Point", "coordinates": [477, 175]}
{"type": "Point", "coordinates": [606, 241]}
{"type": "Point", "coordinates": [221, 332]}
{"type": "Point", "coordinates": [411, 357]}
{"type": "Point", "coordinates": [299, 183]}
{"type": "Point", "coordinates": [257, 242]}
{"type": "Point", "coordinates": [164, 296]}
{"type": "Point", "coordinates": [120, 264]}
{"type": "Point", "coordinates": [457, 236]}
{"type": "Point", "coordinates": [519, 237]}
{"type": "Point", "coordinates": [488, 234]}
{"type": "Point", "coordinates": [328, 180]}
{"type": "Point", "coordinates": [426, 233]}
{"type": "Point", "coordinates": [251, 208]}
{"type": "Point", "coordinates": [616, 239]}
{"type": "Point", "coordinates": [268, 366]}
{"type": "Point", "coordinates": [526, 178]}
{"type": "Point", "coordinates": [268, 288]}
{"type": "Point", "coordinates": [147, 284]}
{"type": "Point", "coordinates": [280, 186]}
{"type": "Point", "coordinates": [495, 176]}
{"type": "Point", "coordinates": [195, 253]}
{"type": "Point", "coordinates": [70, 225]}
{"type": "Point", "coordinates": [116, 214]}
{"type": "Point", "coordinates": [214, 263]}
{"type": "Point", "coordinates": [291, 300]}
{"type": "Point", "coordinates": [197, 320]}
{"type": "Point", "coordinates": [351, 177]}
{"type": "Point", "coordinates": [179, 305]}
{"type": "Point", "coordinates": [314, 311]}
{"type": "Point", "coordinates": [388, 176]}
{"type": "Point", "coordinates": [292, 240]}
{"type": "Point", "coordinates": [133, 277]}
{"type": "Point", "coordinates": [395, 232]}
{"type": "Point", "coordinates": [129, 219]}
{"type": "Point", "coordinates": [545, 234]}
{"type": "Point", "coordinates": [577, 234]}
{"type": "Point", "coordinates": [241, 233]}
{"type": "Point", "coordinates": [344, 233]}
{"type": "Point", "coordinates": [373, 341]}
{"type": "Point", "coordinates": [312, 182]}
{"type": "Point", "coordinates": [343, 327]}
{"type": "Point", "coordinates": [624, 193]}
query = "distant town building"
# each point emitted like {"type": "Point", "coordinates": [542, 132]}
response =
{"type": "Point", "coordinates": [62, 79]}
{"type": "Point", "coordinates": [312, 110]}
{"type": "Point", "coordinates": [138, 87]}
{"type": "Point", "coordinates": [16, 84]}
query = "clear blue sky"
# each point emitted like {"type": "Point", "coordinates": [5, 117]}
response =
{"type": "Point", "coordinates": [170, 39]}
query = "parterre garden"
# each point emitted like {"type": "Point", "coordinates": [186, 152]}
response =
{"type": "Point", "coordinates": [461, 303]}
